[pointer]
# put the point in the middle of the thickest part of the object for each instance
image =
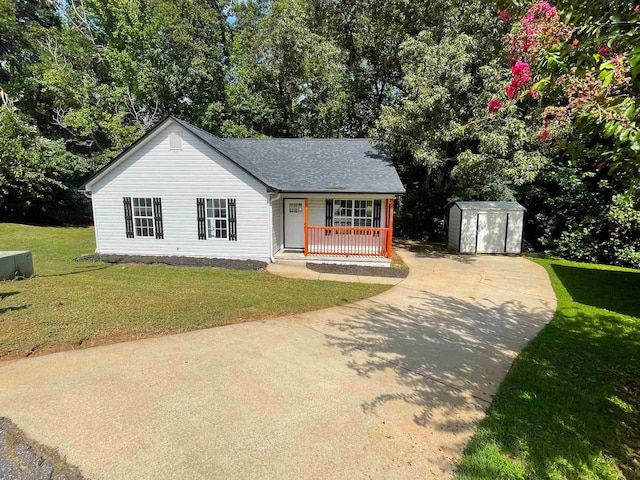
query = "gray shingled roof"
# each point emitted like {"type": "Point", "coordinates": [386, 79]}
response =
{"type": "Point", "coordinates": [309, 165]}
{"type": "Point", "coordinates": [490, 206]}
{"type": "Point", "coordinates": [321, 165]}
{"type": "Point", "coordinates": [299, 165]}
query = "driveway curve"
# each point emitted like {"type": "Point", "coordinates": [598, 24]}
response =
{"type": "Point", "coordinates": [388, 387]}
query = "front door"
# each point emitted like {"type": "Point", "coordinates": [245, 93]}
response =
{"type": "Point", "coordinates": [294, 223]}
{"type": "Point", "coordinates": [492, 232]}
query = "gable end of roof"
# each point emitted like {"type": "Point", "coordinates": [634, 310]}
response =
{"type": "Point", "coordinates": [121, 155]}
{"type": "Point", "coordinates": [203, 136]}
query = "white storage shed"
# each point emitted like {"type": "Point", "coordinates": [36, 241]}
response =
{"type": "Point", "coordinates": [486, 227]}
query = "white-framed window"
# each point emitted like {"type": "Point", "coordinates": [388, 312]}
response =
{"type": "Point", "coordinates": [353, 213]}
{"type": "Point", "coordinates": [143, 216]}
{"type": "Point", "coordinates": [295, 207]}
{"type": "Point", "coordinates": [217, 218]}
{"type": "Point", "coordinates": [363, 213]}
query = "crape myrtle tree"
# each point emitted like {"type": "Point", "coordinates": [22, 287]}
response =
{"type": "Point", "coordinates": [575, 68]}
{"type": "Point", "coordinates": [586, 76]}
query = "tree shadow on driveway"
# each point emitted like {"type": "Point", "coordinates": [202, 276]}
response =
{"type": "Point", "coordinates": [446, 350]}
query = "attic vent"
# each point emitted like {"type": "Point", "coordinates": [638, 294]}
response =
{"type": "Point", "coordinates": [175, 141]}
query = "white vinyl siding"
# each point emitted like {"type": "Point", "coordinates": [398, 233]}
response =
{"type": "Point", "coordinates": [276, 222]}
{"type": "Point", "coordinates": [179, 177]}
{"type": "Point", "coordinates": [454, 228]}
{"type": "Point", "coordinates": [175, 140]}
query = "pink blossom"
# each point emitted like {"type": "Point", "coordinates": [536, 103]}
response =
{"type": "Point", "coordinates": [520, 81]}
{"type": "Point", "coordinates": [495, 105]}
{"type": "Point", "coordinates": [535, 94]}
{"type": "Point", "coordinates": [521, 76]}
{"type": "Point", "coordinates": [521, 68]}
{"type": "Point", "coordinates": [619, 58]}
{"type": "Point", "coordinates": [544, 135]}
{"type": "Point", "coordinates": [605, 51]}
{"type": "Point", "coordinates": [575, 43]}
{"type": "Point", "coordinates": [637, 9]}
{"type": "Point", "coordinates": [539, 9]}
{"type": "Point", "coordinates": [504, 15]}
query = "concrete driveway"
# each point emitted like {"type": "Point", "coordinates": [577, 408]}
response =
{"type": "Point", "coordinates": [389, 387]}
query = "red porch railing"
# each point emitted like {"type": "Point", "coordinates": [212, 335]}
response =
{"type": "Point", "coordinates": [348, 241]}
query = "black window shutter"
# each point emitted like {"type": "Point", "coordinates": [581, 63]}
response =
{"type": "Point", "coordinates": [233, 230]}
{"type": "Point", "coordinates": [377, 212]}
{"type": "Point", "coordinates": [157, 217]}
{"type": "Point", "coordinates": [328, 213]}
{"type": "Point", "coordinates": [202, 219]}
{"type": "Point", "coordinates": [328, 221]}
{"type": "Point", "coordinates": [128, 216]}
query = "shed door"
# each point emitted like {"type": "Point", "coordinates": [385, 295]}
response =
{"type": "Point", "coordinates": [492, 232]}
{"type": "Point", "coordinates": [294, 223]}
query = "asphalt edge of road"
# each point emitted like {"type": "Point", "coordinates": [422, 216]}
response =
{"type": "Point", "coordinates": [24, 459]}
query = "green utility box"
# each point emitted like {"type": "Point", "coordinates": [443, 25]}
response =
{"type": "Point", "coordinates": [15, 264]}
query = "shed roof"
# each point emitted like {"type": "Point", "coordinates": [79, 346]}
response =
{"type": "Point", "coordinates": [495, 206]}
{"type": "Point", "coordinates": [326, 165]}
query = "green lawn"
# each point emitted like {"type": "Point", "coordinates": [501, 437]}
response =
{"type": "Point", "coordinates": [75, 304]}
{"type": "Point", "coordinates": [570, 406]}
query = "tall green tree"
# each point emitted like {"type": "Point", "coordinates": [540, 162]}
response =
{"type": "Point", "coordinates": [438, 128]}
{"type": "Point", "coordinates": [283, 79]}
{"type": "Point", "coordinates": [113, 68]}
{"type": "Point", "coordinates": [35, 174]}
{"type": "Point", "coordinates": [17, 18]}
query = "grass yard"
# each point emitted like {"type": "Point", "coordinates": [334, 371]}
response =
{"type": "Point", "coordinates": [77, 304]}
{"type": "Point", "coordinates": [570, 406]}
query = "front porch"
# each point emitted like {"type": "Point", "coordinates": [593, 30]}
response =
{"type": "Point", "coordinates": [297, 256]}
{"type": "Point", "coordinates": [352, 229]}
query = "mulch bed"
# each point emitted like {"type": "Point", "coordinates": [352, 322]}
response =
{"type": "Point", "coordinates": [358, 270]}
{"type": "Point", "coordinates": [178, 261]}
{"type": "Point", "coordinates": [23, 459]}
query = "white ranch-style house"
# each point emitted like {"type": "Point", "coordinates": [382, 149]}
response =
{"type": "Point", "coordinates": [180, 191]}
